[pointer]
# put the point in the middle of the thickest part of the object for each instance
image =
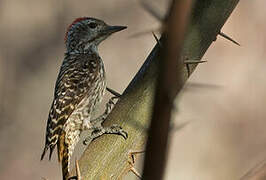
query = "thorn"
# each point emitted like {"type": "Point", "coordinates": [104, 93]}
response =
{"type": "Point", "coordinates": [113, 92]}
{"type": "Point", "coordinates": [188, 69]}
{"type": "Point", "coordinates": [131, 161]}
{"type": "Point", "coordinates": [156, 38]}
{"type": "Point", "coordinates": [228, 38]}
{"type": "Point", "coordinates": [133, 153]}
{"type": "Point", "coordinates": [174, 127]}
{"type": "Point", "coordinates": [187, 62]}
{"type": "Point", "coordinates": [132, 169]}
{"type": "Point", "coordinates": [203, 85]}
{"type": "Point", "coordinates": [194, 61]}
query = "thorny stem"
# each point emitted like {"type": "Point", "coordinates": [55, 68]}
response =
{"type": "Point", "coordinates": [168, 86]}
{"type": "Point", "coordinates": [106, 157]}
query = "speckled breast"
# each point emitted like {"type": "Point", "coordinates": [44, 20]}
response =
{"type": "Point", "coordinates": [82, 114]}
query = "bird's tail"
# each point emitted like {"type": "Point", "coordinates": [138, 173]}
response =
{"type": "Point", "coordinates": [65, 165]}
{"type": "Point", "coordinates": [63, 156]}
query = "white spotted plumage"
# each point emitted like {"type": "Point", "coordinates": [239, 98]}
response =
{"type": "Point", "coordinates": [79, 87]}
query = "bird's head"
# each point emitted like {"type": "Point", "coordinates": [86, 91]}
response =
{"type": "Point", "coordinates": [86, 32]}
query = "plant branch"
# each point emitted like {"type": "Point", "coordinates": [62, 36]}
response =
{"type": "Point", "coordinates": [106, 157]}
{"type": "Point", "coordinates": [170, 82]}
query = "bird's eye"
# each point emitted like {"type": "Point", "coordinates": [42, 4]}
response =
{"type": "Point", "coordinates": [92, 25]}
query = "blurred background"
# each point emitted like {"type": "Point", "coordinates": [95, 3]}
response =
{"type": "Point", "coordinates": [226, 133]}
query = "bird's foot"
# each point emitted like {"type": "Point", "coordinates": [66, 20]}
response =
{"type": "Point", "coordinates": [114, 129]}
{"type": "Point", "coordinates": [108, 109]}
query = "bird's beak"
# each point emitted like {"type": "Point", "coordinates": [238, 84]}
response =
{"type": "Point", "coordinates": [112, 29]}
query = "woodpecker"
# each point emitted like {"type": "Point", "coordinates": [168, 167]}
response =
{"type": "Point", "coordinates": [80, 85]}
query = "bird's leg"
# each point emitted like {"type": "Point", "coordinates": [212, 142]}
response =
{"type": "Point", "coordinates": [109, 106]}
{"type": "Point", "coordinates": [98, 129]}
{"type": "Point", "coordinates": [92, 124]}
{"type": "Point", "coordinates": [108, 109]}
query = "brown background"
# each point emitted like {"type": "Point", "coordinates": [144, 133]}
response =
{"type": "Point", "coordinates": [224, 100]}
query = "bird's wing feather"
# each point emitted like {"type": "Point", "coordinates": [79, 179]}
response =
{"type": "Point", "coordinates": [73, 83]}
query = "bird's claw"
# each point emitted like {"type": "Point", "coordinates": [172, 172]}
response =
{"type": "Point", "coordinates": [114, 129]}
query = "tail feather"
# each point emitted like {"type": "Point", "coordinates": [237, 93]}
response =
{"type": "Point", "coordinates": [47, 146]}
{"type": "Point", "coordinates": [65, 165]}
{"type": "Point", "coordinates": [50, 142]}
{"type": "Point", "coordinates": [44, 151]}
{"type": "Point", "coordinates": [51, 151]}
{"type": "Point", "coordinates": [63, 156]}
